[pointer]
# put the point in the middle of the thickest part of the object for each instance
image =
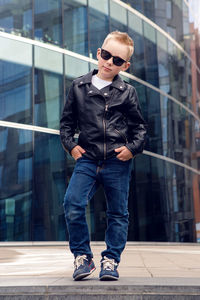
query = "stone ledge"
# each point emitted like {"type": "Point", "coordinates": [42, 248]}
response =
{"type": "Point", "coordinates": [101, 292]}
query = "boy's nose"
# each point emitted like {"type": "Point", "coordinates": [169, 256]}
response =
{"type": "Point", "coordinates": [110, 61]}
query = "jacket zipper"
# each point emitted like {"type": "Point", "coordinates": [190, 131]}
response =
{"type": "Point", "coordinates": [122, 135]}
{"type": "Point", "coordinates": [104, 128]}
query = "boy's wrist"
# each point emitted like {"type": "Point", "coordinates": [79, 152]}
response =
{"type": "Point", "coordinates": [128, 146]}
{"type": "Point", "coordinates": [71, 148]}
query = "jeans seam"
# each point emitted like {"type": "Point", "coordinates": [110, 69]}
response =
{"type": "Point", "coordinates": [90, 191]}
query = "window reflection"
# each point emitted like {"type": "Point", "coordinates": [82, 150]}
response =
{"type": "Point", "coordinates": [118, 21]}
{"type": "Point", "coordinates": [163, 66]}
{"type": "Point", "coordinates": [164, 13]}
{"type": "Point", "coordinates": [48, 60]}
{"type": "Point", "coordinates": [15, 92]}
{"type": "Point", "coordinates": [158, 200]}
{"type": "Point", "coordinates": [137, 4]}
{"type": "Point", "coordinates": [135, 30]}
{"type": "Point", "coordinates": [48, 98]}
{"type": "Point", "coordinates": [16, 17]}
{"type": "Point", "coordinates": [150, 55]}
{"type": "Point", "coordinates": [75, 18]}
{"type": "Point", "coordinates": [171, 130]}
{"type": "Point", "coordinates": [25, 136]}
{"type": "Point", "coordinates": [3, 138]}
{"type": "Point", "coordinates": [48, 21]}
{"type": "Point", "coordinates": [24, 164]}
{"type": "Point", "coordinates": [98, 25]}
{"type": "Point", "coordinates": [1, 169]}
{"type": "Point", "coordinates": [15, 52]}
{"type": "Point", "coordinates": [75, 67]}
{"type": "Point", "coordinates": [16, 187]}
{"type": "Point", "coordinates": [49, 188]}
{"type": "Point", "coordinates": [48, 87]}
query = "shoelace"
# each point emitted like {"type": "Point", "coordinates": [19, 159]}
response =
{"type": "Point", "coordinates": [109, 263]}
{"type": "Point", "coordinates": [79, 260]}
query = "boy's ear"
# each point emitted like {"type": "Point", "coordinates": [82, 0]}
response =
{"type": "Point", "coordinates": [98, 52]}
{"type": "Point", "coordinates": [126, 65]}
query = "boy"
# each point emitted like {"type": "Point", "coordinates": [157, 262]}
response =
{"type": "Point", "coordinates": [112, 132]}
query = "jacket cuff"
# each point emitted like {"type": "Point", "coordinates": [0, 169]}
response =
{"type": "Point", "coordinates": [68, 148]}
{"type": "Point", "coordinates": [131, 148]}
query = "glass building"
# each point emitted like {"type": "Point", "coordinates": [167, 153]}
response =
{"type": "Point", "coordinates": [44, 45]}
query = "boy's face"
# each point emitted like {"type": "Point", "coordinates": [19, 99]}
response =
{"type": "Point", "coordinates": [107, 70]}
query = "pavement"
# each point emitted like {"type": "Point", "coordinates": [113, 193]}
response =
{"type": "Point", "coordinates": [43, 270]}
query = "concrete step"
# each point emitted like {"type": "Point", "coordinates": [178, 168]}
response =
{"type": "Point", "coordinates": [147, 271]}
{"type": "Point", "coordinates": [124, 289]}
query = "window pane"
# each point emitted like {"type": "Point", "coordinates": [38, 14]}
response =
{"type": "Point", "coordinates": [49, 188]}
{"type": "Point", "coordinates": [171, 129]}
{"type": "Point", "coordinates": [149, 32]}
{"type": "Point", "coordinates": [118, 21]}
{"type": "Point", "coordinates": [15, 81]}
{"type": "Point", "coordinates": [151, 65]}
{"type": "Point", "coordinates": [16, 52]}
{"type": "Point", "coordinates": [48, 97]}
{"type": "Point", "coordinates": [75, 18]}
{"type": "Point", "coordinates": [48, 60]}
{"type": "Point", "coordinates": [98, 25]}
{"type": "Point", "coordinates": [163, 201]}
{"type": "Point", "coordinates": [161, 41]}
{"type": "Point", "coordinates": [75, 67]}
{"type": "Point", "coordinates": [15, 93]}
{"type": "Point", "coordinates": [3, 138]}
{"type": "Point", "coordinates": [16, 192]}
{"type": "Point", "coordinates": [169, 9]}
{"type": "Point", "coordinates": [48, 21]}
{"type": "Point", "coordinates": [163, 65]}
{"type": "Point", "coordinates": [48, 87]}
{"type": "Point", "coordinates": [135, 31]}
{"type": "Point", "coordinates": [16, 17]}
{"type": "Point", "coordinates": [137, 4]}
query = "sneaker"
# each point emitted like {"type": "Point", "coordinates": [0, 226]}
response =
{"type": "Point", "coordinates": [83, 267]}
{"type": "Point", "coordinates": [108, 269]}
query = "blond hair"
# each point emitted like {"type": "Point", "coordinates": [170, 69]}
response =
{"type": "Point", "coordinates": [123, 38]}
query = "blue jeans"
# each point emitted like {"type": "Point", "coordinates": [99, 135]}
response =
{"type": "Point", "coordinates": [114, 175]}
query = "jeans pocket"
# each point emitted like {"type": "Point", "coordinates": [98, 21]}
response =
{"type": "Point", "coordinates": [79, 158]}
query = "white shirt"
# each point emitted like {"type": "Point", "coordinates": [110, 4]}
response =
{"type": "Point", "coordinates": [100, 83]}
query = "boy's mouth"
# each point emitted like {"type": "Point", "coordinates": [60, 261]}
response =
{"type": "Point", "coordinates": [107, 69]}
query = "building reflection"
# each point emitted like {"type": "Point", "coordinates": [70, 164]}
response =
{"type": "Point", "coordinates": [164, 200]}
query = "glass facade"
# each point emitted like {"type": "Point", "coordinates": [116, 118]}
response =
{"type": "Point", "coordinates": [44, 46]}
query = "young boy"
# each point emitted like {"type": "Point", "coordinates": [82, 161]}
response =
{"type": "Point", "coordinates": [112, 132]}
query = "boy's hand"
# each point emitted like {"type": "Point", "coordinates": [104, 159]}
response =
{"type": "Point", "coordinates": [77, 152]}
{"type": "Point", "coordinates": [124, 153]}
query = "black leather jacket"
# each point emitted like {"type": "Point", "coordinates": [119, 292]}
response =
{"type": "Point", "coordinates": [105, 120]}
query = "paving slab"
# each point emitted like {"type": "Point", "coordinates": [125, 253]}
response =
{"type": "Point", "coordinates": [147, 271]}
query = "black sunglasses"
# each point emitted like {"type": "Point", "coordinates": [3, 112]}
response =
{"type": "Point", "coordinates": [118, 61]}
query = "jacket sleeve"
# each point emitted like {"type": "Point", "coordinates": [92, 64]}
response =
{"type": "Point", "coordinates": [68, 122]}
{"type": "Point", "coordinates": [137, 127]}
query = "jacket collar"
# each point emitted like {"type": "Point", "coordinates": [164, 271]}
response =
{"type": "Point", "coordinates": [117, 81]}
{"type": "Point", "coordinates": [87, 78]}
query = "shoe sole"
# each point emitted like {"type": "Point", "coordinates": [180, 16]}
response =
{"type": "Point", "coordinates": [108, 278]}
{"type": "Point", "coordinates": [81, 276]}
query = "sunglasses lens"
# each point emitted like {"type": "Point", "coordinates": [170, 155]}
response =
{"type": "Point", "coordinates": [118, 61]}
{"type": "Point", "coordinates": [105, 54]}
